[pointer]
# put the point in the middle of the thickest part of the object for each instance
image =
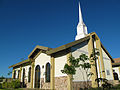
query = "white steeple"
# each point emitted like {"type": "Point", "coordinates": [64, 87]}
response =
{"type": "Point", "coordinates": [81, 27]}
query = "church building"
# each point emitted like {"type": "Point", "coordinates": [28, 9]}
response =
{"type": "Point", "coordinates": [43, 67]}
{"type": "Point", "coordinates": [116, 68]}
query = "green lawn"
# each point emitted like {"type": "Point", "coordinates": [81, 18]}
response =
{"type": "Point", "coordinates": [11, 89]}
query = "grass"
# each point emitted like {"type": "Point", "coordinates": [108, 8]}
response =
{"type": "Point", "coordinates": [117, 87]}
{"type": "Point", "coordinates": [12, 89]}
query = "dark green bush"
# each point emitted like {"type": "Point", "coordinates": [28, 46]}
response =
{"type": "Point", "coordinates": [12, 84]}
{"type": "Point", "coordinates": [0, 86]}
{"type": "Point", "coordinates": [2, 77]}
{"type": "Point", "coordinates": [4, 85]}
{"type": "Point", "coordinates": [15, 84]}
{"type": "Point", "coordinates": [1, 80]}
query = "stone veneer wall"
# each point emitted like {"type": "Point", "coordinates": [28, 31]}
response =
{"type": "Point", "coordinates": [44, 85]}
{"type": "Point", "coordinates": [28, 85]}
{"type": "Point", "coordinates": [80, 84]}
{"type": "Point", "coordinates": [61, 83]}
{"type": "Point", "coordinates": [114, 82]}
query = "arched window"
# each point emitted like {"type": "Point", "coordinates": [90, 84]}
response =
{"type": "Point", "coordinates": [14, 75]}
{"type": "Point", "coordinates": [23, 78]}
{"type": "Point", "coordinates": [115, 75]}
{"type": "Point", "coordinates": [29, 74]}
{"type": "Point", "coordinates": [47, 75]}
{"type": "Point", "coordinates": [37, 76]}
{"type": "Point", "coordinates": [18, 74]}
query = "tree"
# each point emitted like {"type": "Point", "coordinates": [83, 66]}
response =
{"type": "Point", "coordinates": [9, 73]}
{"type": "Point", "coordinates": [83, 62]}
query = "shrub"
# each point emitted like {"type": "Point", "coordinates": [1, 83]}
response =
{"type": "Point", "coordinates": [0, 86]}
{"type": "Point", "coordinates": [2, 77]}
{"type": "Point", "coordinates": [12, 84]}
{"type": "Point", "coordinates": [4, 85]}
{"type": "Point", "coordinates": [1, 80]}
{"type": "Point", "coordinates": [15, 84]}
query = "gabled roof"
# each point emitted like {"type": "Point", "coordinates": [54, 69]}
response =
{"type": "Point", "coordinates": [107, 52]}
{"type": "Point", "coordinates": [20, 63]}
{"type": "Point", "coordinates": [50, 51]}
{"type": "Point", "coordinates": [66, 46]}
{"type": "Point", "coordinates": [36, 50]}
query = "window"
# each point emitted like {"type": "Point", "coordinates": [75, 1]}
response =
{"type": "Point", "coordinates": [115, 75]}
{"type": "Point", "coordinates": [108, 72]}
{"type": "Point", "coordinates": [29, 74]}
{"type": "Point", "coordinates": [18, 74]}
{"type": "Point", "coordinates": [23, 78]}
{"type": "Point", "coordinates": [14, 75]}
{"type": "Point", "coordinates": [37, 76]}
{"type": "Point", "coordinates": [47, 75]}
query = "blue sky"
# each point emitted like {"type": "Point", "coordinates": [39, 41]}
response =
{"type": "Point", "coordinates": [52, 23]}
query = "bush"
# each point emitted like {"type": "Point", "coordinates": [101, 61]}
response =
{"type": "Point", "coordinates": [1, 80]}
{"type": "Point", "coordinates": [12, 84]}
{"type": "Point", "coordinates": [15, 84]}
{"type": "Point", "coordinates": [0, 86]}
{"type": "Point", "coordinates": [2, 77]}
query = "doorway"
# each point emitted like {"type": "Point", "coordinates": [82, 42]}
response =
{"type": "Point", "coordinates": [37, 76]}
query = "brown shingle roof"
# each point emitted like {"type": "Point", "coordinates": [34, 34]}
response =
{"type": "Point", "coordinates": [117, 60]}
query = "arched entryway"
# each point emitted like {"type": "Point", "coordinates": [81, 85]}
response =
{"type": "Point", "coordinates": [37, 76]}
{"type": "Point", "coordinates": [115, 75]}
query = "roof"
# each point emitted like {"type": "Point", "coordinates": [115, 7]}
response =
{"type": "Point", "coordinates": [107, 53]}
{"type": "Point", "coordinates": [116, 62]}
{"type": "Point", "coordinates": [66, 46]}
{"type": "Point", "coordinates": [37, 49]}
{"type": "Point", "coordinates": [50, 51]}
{"type": "Point", "coordinates": [20, 63]}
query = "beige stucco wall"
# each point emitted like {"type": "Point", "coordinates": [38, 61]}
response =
{"type": "Point", "coordinates": [76, 52]}
{"type": "Point", "coordinates": [26, 73]}
{"type": "Point", "coordinates": [107, 64]}
{"type": "Point", "coordinates": [41, 60]}
{"type": "Point", "coordinates": [59, 65]}
{"type": "Point", "coordinates": [16, 72]}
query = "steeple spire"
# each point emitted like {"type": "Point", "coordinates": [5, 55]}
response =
{"type": "Point", "coordinates": [80, 15]}
{"type": "Point", "coordinates": [81, 27]}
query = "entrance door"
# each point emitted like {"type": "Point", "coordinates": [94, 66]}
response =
{"type": "Point", "coordinates": [37, 76]}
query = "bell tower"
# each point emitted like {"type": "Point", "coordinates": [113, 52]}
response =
{"type": "Point", "coordinates": [81, 27]}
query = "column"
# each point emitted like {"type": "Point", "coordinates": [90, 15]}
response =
{"type": "Point", "coordinates": [93, 68]}
{"type": "Point", "coordinates": [13, 73]}
{"type": "Point", "coordinates": [32, 73]}
{"type": "Point", "coordinates": [52, 76]}
{"type": "Point", "coordinates": [101, 58]}
{"type": "Point", "coordinates": [20, 73]}
{"type": "Point", "coordinates": [69, 77]}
